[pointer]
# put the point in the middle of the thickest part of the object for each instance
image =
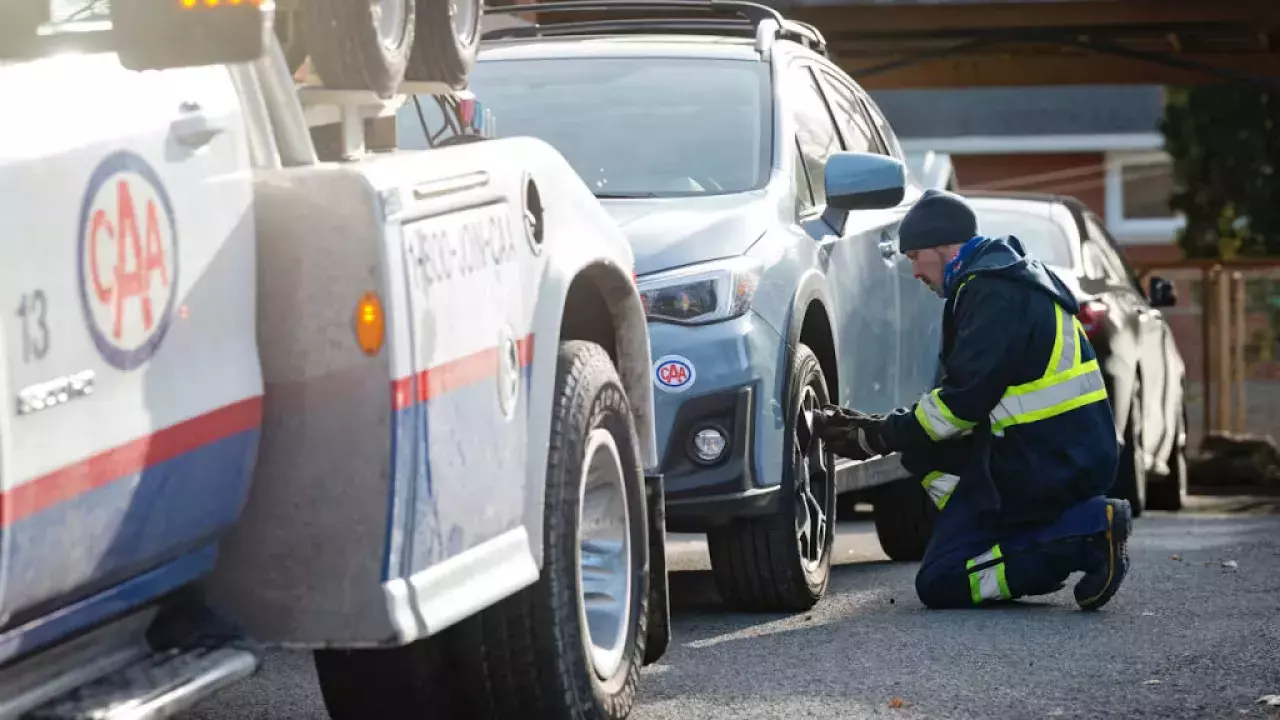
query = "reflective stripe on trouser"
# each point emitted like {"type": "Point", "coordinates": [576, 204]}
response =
{"type": "Point", "coordinates": [969, 564]}
{"type": "Point", "coordinates": [987, 579]}
{"type": "Point", "coordinates": [940, 485]}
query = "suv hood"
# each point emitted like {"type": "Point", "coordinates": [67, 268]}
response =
{"type": "Point", "coordinates": [672, 232]}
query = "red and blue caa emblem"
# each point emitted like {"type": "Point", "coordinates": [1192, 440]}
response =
{"type": "Point", "coordinates": [674, 373]}
{"type": "Point", "coordinates": [127, 260]}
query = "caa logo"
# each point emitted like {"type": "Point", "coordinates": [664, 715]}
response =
{"type": "Point", "coordinates": [128, 260]}
{"type": "Point", "coordinates": [674, 373]}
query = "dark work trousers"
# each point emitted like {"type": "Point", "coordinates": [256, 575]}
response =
{"type": "Point", "coordinates": [970, 562]}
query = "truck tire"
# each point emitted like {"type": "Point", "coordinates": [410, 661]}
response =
{"type": "Point", "coordinates": [361, 45]}
{"type": "Point", "coordinates": [541, 653]}
{"type": "Point", "coordinates": [445, 44]}
{"type": "Point", "coordinates": [782, 562]}
{"type": "Point", "coordinates": [532, 655]}
{"type": "Point", "coordinates": [288, 29]}
{"type": "Point", "coordinates": [1169, 492]}
{"type": "Point", "coordinates": [904, 516]}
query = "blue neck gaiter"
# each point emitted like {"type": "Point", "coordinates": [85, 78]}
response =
{"type": "Point", "coordinates": [953, 268]}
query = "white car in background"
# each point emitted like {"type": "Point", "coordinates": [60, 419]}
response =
{"type": "Point", "coordinates": [932, 169]}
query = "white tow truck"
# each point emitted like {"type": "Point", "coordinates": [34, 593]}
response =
{"type": "Point", "coordinates": [271, 383]}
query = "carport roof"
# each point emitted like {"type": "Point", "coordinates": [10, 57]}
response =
{"type": "Point", "coordinates": [972, 43]}
{"type": "Point", "coordinates": [966, 43]}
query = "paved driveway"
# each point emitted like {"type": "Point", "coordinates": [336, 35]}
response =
{"type": "Point", "coordinates": [1190, 636]}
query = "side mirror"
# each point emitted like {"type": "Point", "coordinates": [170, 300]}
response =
{"type": "Point", "coordinates": [159, 34]}
{"type": "Point", "coordinates": [864, 181]}
{"type": "Point", "coordinates": [1160, 293]}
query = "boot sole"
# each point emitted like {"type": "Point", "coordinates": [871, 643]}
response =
{"type": "Point", "coordinates": [1118, 535]}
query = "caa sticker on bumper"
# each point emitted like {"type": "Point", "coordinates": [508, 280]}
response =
{"type": "Point", "coordinates": [674, 373]}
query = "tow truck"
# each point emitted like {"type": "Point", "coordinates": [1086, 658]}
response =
{"type": "Point", "coordinates": [272, 383]}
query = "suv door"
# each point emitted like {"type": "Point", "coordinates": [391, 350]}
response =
{"type": "Point", "coordinates": [128, 339]}
{"type": "Point", "coordinates": [918, 331]}
{"type": "Point", "coordinates": [864, 290]}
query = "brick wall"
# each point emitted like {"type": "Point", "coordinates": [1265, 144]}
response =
{"type": "Point", "coordinates": [1082, 175]}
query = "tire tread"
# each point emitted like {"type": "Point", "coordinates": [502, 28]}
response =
{"type": "Point", "coordinates": [343, 43]}
{"type": "Point", "coordinates": [754, 560]}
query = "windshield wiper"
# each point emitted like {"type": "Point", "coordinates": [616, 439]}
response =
{"type": "Point", "coordinates": [626, 196]}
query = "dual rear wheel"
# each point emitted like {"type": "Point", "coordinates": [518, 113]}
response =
{"type": "Point", "coordinates": [375, 45]}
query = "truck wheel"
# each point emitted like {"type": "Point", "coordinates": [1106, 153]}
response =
{"type": "Point", "coordinates": [782, 562]}
{"type": "Point", "coordinates": [288, 29]}
{"type": "Point", "coordinates": [572, 644]}
{"type": "Point", "coordinates": [904, 516]}
{"type": "Point", "coordinates": [361, 45]}
{"type": "Point", "coordinates": [1169, 492]}
{"type": "Point", "coordinates": [1131, 475]}
{"type": "Point", "coordinates": [448, 35]}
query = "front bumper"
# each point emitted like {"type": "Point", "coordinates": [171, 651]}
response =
{"type": "Point", "coordinates": [735, 387]}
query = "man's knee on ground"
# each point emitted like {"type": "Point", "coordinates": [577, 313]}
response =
{"type": "Point", "coordinates": [939, 590]}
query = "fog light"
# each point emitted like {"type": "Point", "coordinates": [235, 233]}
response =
{"type": "Point", "coordinates": [709, 444]}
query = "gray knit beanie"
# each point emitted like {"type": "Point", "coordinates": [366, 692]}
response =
{"type": "Point", "coordinates": [938, 218]}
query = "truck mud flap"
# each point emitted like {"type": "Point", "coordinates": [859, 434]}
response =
{"type": "Point", "coordinates": [658, 634]}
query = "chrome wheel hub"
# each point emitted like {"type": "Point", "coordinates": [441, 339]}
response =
{"type": "Point", "coordinates": [604, 553]}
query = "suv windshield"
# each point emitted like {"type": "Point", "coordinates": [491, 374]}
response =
{"type": "Point", "coordinates": [1042, 236]}
{"type": "Point", "coordinates": [636, 127]}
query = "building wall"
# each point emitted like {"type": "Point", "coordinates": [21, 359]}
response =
{"type": "Point", "coordinates": [1082, 175]}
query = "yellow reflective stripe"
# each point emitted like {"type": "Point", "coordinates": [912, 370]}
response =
{"type": "Point", "coordinates": [1051, 380]}
{"type": "Point", "coordinates": [1079, 333]}
{"type": "Point", "coordinates": [1052, 396]}
{"type": "Point", "coordinates": [1066, 346]}
{"type": "Point", "coordinates": [989, 583]}
{"type": "Point", "coordinates": [940, 485]}
{"type": "Point", "coordinates": [1070, 346]}
{"type": "Point", "coordinates": [937, 419]}
{"type": "Point", "coordinates": [1056, 356]}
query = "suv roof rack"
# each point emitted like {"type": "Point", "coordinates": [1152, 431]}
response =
{"type": "Point", "coordinates": [697, 17]}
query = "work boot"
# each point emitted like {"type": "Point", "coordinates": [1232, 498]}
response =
{"type": "Point", "coordinates": [1101, 582]}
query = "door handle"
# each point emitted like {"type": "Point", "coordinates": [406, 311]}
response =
{"type": "Point", "coordinates": [193, 129]}
{"type": "Point", "coordinates": [888, 249]}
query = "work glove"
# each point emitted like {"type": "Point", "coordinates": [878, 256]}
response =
{"type": "Point", "coordinates": [849, 433]}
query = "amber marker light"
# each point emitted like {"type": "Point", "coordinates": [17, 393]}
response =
{"type": "Point", "coordinates": [370, 324]}
{"type": "Point", "coordinates": [194, 4]}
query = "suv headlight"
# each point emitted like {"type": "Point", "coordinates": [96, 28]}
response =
{"type": "Point", "coordinates": [703, 293]}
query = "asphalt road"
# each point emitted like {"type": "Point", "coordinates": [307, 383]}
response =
{"type": "Point", "coordinates": [1195, 633]}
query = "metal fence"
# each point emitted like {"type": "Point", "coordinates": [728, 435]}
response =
{"type": "Point", "coordinates": [1226, 324]}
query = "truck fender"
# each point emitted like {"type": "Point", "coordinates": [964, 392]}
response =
{"type": "Point", "coordinates": [585, 250]}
